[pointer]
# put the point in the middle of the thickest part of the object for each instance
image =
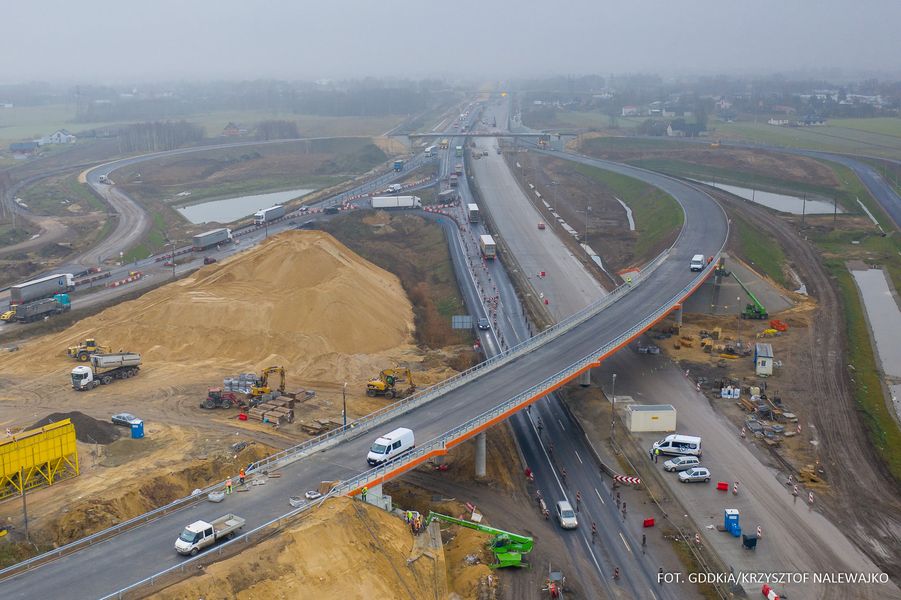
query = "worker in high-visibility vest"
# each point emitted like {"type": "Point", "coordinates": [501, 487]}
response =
{"type": "Point", "coordinates": [241, 475]}
{"type": "Point", "coordinates": [228, 485]}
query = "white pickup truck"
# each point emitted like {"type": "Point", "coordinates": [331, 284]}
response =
{"type": "Point", "coordinates": [200, 534]}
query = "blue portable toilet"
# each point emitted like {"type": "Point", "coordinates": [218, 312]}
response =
{"type": "Point", "coordinates": [730, 521]}
{"type": "Point", "coordinates": [137, 430]}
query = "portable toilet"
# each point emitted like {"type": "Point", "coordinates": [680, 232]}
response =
{"type": "Point", "coordinates": [763, 359]}
{"type": "Point", "coordinates": [137, 430]}
{"type": "Point", "coordinates": [730, 521]}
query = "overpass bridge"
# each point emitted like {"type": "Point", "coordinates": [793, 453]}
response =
{"type": "Point", "coordinates": [442, 416]}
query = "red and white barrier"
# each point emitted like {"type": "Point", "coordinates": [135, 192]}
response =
{"type": "Point", "coordinates": [627, 479]}
{"type": "Point", "coordinates": [769, 593]}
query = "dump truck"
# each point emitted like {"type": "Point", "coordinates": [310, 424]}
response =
{"type": "Point", "coordinates": [396, 202]}
{"type": "Point", "coordinates": [200, 534]}
{"type": "Point", "coordinates": [45, 287]}
{"type": "Point", "coordinates": [105, 368]}
{"type": "Point", "coordinates": [268, 215]}
{"type": "Point", "coordinates": [398, 165]}
{"type": "Point", "coordinates": [83, 350]}
{"type": "Point", "coordinates": [208, 239]}
{"type": "Point", "coordinates": [386, 384]}
{"type": "Point", "coordinates": [26, 313]}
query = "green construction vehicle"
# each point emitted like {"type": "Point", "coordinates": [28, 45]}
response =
{"type": "Point", "coordinates": [754, 310]}
{"type": "Point", "coordinates": [508, 548]}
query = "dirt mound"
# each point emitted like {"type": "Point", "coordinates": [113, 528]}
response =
{"type": "Point", "coordinates": [302, 300]}
{"type": "Point", "coordinates": [87, 429]}
{"type": "Point", "coordinates": [342, 550]}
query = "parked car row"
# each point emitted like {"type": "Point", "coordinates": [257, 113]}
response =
{"type": "Point", "coordinates": [687, 461]}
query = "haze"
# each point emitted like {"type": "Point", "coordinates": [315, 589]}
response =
{"type": "Point", "coordinates": [108, 41]}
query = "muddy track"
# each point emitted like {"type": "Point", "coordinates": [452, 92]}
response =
{"type": "Point", "coordinates": [865, 503]}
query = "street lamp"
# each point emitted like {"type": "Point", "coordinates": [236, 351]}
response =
{"type": "Point", "coordinates": [613, 409]}
{"type": "Point", "coordinates": [344, 404]}
{"type": "Point", "coordinates": [554, 185]}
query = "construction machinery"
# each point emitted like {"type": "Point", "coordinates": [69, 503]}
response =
{"type": "Point", "coordinates": [83, 351]}
{"type": "Point", "coordinates": [753, 310]}
{"type": "Point", "coordinates": [386, 383]}
{"type": "Point", "coordinates": [262, 385]}
{"type": "Point", "coordinates": [216, 398]}
{"type": "Point", "coordinates": [508, 548]}
{"type": "Point", "coordinates": [106, 368]}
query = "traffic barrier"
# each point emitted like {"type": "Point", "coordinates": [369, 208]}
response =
{"type": "Point", "coordinates": [627, 479]}
{"type": "Point", "coordinates": [722, 486]}
{"type": "Point", "coordinates": [698, 539]}
{"type": "Point", "coordinates": [759, 532]}
{"type": "Point", "coordinates": [735, 489]}
{"type": "Point", "coordinates": [648, 522]}
{"type": "Point", "coordinates": [769, 593]}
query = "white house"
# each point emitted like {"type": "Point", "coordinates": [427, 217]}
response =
{"type": "Point", "coordinates": [61, 136]}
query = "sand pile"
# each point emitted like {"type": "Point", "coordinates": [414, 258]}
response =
{"type": "Point", "coordinates": [342, 550]}
{"type": "Point", "coordinates": [302, 300]}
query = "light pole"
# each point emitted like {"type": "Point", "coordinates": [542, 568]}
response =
{"type": "Point", "coordinates": [613, 409]}
{"type": "Point", "coordinates": [554, 185]}
{"type": "Point", "coordinates": [344, 404]}
{"type": "Point", "coordinates": [587, 213]}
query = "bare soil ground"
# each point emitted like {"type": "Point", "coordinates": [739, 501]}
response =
{"type": "Point", "coordinates": [816, 383]}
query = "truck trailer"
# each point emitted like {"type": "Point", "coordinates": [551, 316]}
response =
{"type": "Point", "coordinates": [212, 238]}
{"type": "Point", "coordinates": [268, 215]}
{"type": "Point", "coordinates": [472, 212]}
{"type": "Point", "coordinates": [105, 368]}
{"type": "Point", "coordinates": [45, 287]}
{"type": "Point", "coordinates": [396, 202]}
{"type": "Point", "coordinates": [200, 534]}
{"type": "Point", "coordinates": [32, 311]}
{"type": "Point", "coordinates": [487, 247]}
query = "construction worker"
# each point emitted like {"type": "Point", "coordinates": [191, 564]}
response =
{"type": "Point", "coordinates": [363, 492]}
{"type": "Point", "coordinates": [409, 516]}
{"type": "Point", "coordinates": [228, 485]}
{"type": "Point", "coordinates": [656, 454]}
{"type": "Point", "coordinates": [241, 475]}
{"type": "Point", "coordinates": [628, 279]}
{"type": "Point", "coordinates": [594, 531]}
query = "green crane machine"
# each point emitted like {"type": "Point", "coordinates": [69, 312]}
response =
{"type": "Point", "coordinates": [508, 548]}
{"type": "Point", "coordinates": [755, 309]}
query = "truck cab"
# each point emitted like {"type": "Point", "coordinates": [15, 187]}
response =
{"type": "Point", "coordinates": [201, 534]}
{"type": "Point", "coordinates": [83, 378]}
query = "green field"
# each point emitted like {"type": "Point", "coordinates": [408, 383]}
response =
{"type": "Point", "coordinates": [28, 122]}
{"type": "Point", "coordinates": [657, 215]}
{"type": "Point", "coordinates": [760, 250]}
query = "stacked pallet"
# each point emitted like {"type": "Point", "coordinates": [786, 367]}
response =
{"type": "Point", "coordinates": [278, 410]}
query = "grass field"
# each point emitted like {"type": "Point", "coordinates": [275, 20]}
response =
{"type": "Point", "coordinates": [760, 250]}
{"type": "Point", "coordinates": [56, 196]}
{"type": "Point", "coordinates": [657, 215]}
{"type": "Point", "coordinates": [28, 122]}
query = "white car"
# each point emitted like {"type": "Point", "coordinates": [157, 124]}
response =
{"type": "Point", "coordinates": [695, 474]}
{"type": "Point", "coordinates": [681, 463]}
{"type": "Point", "coordinates": [566, 515]}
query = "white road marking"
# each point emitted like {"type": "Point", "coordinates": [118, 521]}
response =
{"type": "Point", "coordinates": [653, 595]}
{"type": "Point", "coordinates": [625, 543]}
{"type": "Point", "coordinates": [577, 456]}
{"type": "Point", "coordinates": [599, 496]}
{"type": "Point", "coordinates": [561, 425]}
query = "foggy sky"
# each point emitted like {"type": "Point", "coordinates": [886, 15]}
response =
{"type": "Point", "coordinates": [133, 40]}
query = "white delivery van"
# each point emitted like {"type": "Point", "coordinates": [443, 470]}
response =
{"type": "Point", "coordinates": [697, 262]}
{"type": "Point", "coordinates": [390, 446]}
{"type": "Point", "coordinates": [681, 445]}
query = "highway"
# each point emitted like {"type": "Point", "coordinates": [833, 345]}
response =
{"type": "Point", "coordinates": [148, 549]}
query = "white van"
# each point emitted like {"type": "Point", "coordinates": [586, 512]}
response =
{"type": "Point", "coordinates": [390, 446]}
{"type": "Point", "coordinates": [697, 262]}
{"type": "Point", "coordinates": [679, 445]}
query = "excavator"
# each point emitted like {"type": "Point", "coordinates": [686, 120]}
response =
{"type": "Point", "coordinates": [508, 548]}
{"type": "Point", "coordinates": [262, 385]}
{"type": "Point", "coordinates": [386, 383]}
{"type": "Point", "coordinates": [85, 349]}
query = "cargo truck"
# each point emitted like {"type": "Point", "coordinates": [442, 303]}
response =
{"type": "Point", "coordinates": [453, 180]}
{"type": "Point", "coordinates": [458, 151]}
{"type": "Point", "coordinates": [396, 202]}
{"type": "Point", "coordinates": [200, 534]}
{"type": "Point", "coordinates": [472, 211]}
{"type": "Point", "coordinates": [398, 165]}
{"type": "Point", "coordinates": [487, 247]}
{"type": "Point", "coordinates": [32, 311]}
{"type": "Point", "coordinates": [45, 287]}
{"type": "Point", "coordinates": [105, 368]}
{"type": "Point", "coordinates": [268, 215]}
{"type": "Point", "coordinates": [458, 169]}
{"type": "Point", "coordinates": [444, 144]}
{"type": "Point", "coordinates": [430, 151]}
{"type": "Point", "coordinates": [212, 238]}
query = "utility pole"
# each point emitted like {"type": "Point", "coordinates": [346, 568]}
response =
{"type": "Point", "coordinates": [344, 404]}
{"type": "Point", "coordinates": [803, 209]}
{"type": "Point", "coordinates": [587, 213]}
{"type": "Point", "coordinates": [613, 410]}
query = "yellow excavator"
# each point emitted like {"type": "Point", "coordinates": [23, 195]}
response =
{"type": "Point", "coordinates": [83, 351]}
{"type": "Point", "coordinates": [386, 383]}
{"type": "Point", "coordinates": [262, 385]}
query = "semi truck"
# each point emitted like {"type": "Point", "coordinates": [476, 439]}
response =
{"type": "Point", "coordinates": [458, 151]}
{"type": "Point", "coordinates": [458, 168]}
{"type": "Point", "coordinates": [212, 238]}
{"type": "Point", "coordinates": [398, 165]}
{"type": "Point", "coordinates": [444, 144]}
{"type": "Point", "coordinates": [472, 212]}
{"type": "Point", "coordinates": [430, 151]}
{"type": "Point", "coordinates": [454, 180]}
{"type": "Point", "coordinates": [200, 534]}
{"type": "Point", "coordinates": [487, 247]}
{"type": "Point", "coordinates": [32, 311]}
{"type": "Point", "coordinates": [396, 202]}
{"type": "Point", "coordinates": [268, 215]}
{"type": "Point", "coordinates": [45, 287]}
{"type": "Point", "coordinates": [105, 368]}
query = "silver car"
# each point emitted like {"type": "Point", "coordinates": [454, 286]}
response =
{"type": "Point", "coordinates": [680, 463]}
{"type": "Point", "coordinates": [566, 515]}
{"type": "Point", "coordinates": [695, 474]}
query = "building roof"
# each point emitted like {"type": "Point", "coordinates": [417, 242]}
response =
{"type": "Point", "coordinates": [764, 350]}
{"type": "Point", "coordinates": [649, 407]}
{"type": "Point", "coordinates": [23, 146]}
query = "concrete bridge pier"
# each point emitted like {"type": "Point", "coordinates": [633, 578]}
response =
{"type": "Point", "coordinates": [585, 378]}
{"type": "Point", "coordinates": [678, 316]}
{"type": "Point", "coordinates": [481, 455]}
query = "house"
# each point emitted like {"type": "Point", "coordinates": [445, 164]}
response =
{"type": "Point", "coordinates": [61, 136]}
{"type": "Point", "coordinates": [22, 149]}
{"type": "Point", "coordinates": [231, 130]}
{"type": "Point", "coordinates": [778, 122]}
{"type": "Point", "coordinates": [763, 359]}
{"type": "Point", "coordinates": [631, 111]}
